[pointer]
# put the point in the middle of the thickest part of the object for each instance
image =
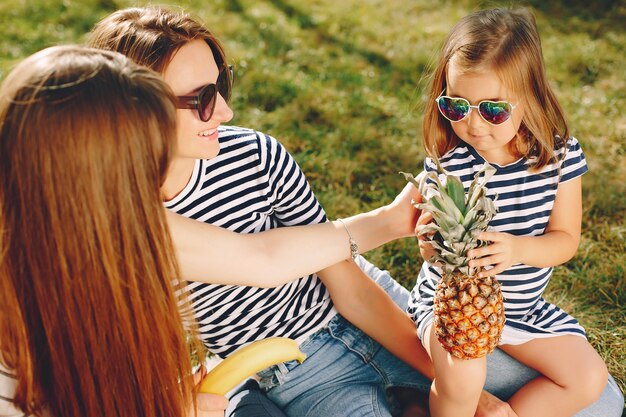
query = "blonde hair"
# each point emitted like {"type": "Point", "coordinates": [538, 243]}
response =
{"type": "Point", "coordinates": [90, 322]}
{"type": "Point", "coordinates": [151, 35]}
{"type": "Point", "coordinates": [507, 42]}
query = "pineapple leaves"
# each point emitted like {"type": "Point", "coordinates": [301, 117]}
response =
{"type": "Point", "coordinates": [456, 192]}
{"type": "Point", "coordinates": [458, 217]}
{"type": "Point", "coordinates": [477, 188]}
{"type": "Point", "coordinates": [410, 178]}
{"type": "Point", "coordinates": [442, 218]}
{"type": "Point", "coordinates": [428, 229]}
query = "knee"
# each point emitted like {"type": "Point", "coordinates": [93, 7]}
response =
{"type": "Point", "coordinates": [465, 379]}
{"type": "Point", "coordinates": [597, 378]}
{"type": "Point", "coordinates": [591, 381]}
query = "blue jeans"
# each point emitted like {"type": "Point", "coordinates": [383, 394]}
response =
{"type": "Point", "coordinates": [346, 373]}
{"type": "Point", "coordinates": [249, 401]}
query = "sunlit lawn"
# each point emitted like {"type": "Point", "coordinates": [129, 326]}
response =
{"type": "Point", "coordinates": [341, 84]}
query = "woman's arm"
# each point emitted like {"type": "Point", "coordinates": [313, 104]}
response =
{"type": "Point", "coordinates": [557, 245]}
{"type": "Point", "coordinates": [366, 305]}
{"type": "Point", "coordinates": [211, 254]}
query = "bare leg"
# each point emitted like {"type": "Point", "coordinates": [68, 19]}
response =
{"type": "Point", "coordinates": [458, 383]}
{"type": "Point", "coordinates": [572, 376]}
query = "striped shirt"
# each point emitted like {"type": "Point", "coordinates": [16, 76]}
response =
{"type": "Point", "coordinates": [251, 186]}
{"type": "Point", "coordinates": [8, 384]}
{"type": "Point", "coordinates": [524, 202]}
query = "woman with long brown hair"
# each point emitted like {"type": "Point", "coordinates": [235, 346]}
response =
{"type": "Point", "coordinates": [88, 273]}
{"type": "Point", "coordinates": [86, 263]}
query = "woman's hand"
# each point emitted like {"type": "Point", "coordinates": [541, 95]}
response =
{"type": "Point", "coordinates": [491, 406]}
{"type": "Point", "coordinates": [499, 253]}
{"type": "Point", "coordinates": [207, 405]}
{"type": "Point", "coordinates": [402, 212]}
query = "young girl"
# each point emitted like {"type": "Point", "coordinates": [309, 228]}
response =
{"type": "Point", "coordinates": [490, 101]}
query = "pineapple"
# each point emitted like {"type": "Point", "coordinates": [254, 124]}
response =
{"type": "Point", "coordinates": [468, 311]}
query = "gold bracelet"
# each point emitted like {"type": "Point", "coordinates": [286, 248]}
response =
{"type": "Point", "coordinates": [354, 248]}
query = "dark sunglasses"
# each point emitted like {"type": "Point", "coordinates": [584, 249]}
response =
{"type": "Point", "coordinates": [456, 109]}
{"type": "Point", "coordinates": [205, 100]}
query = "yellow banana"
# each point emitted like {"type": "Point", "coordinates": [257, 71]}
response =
{"type": "Point", "coordinates": [249, 360]}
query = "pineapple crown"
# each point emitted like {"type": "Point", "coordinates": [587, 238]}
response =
{"type": "Point", "coordinates": [459, 217]}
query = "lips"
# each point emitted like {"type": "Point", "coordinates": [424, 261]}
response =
{"type": "Point", "coordinates": [475, 136]}
{"type": "Point", "coordinates": [208, 134]}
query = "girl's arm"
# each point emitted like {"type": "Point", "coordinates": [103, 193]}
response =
{"type": "Point", "coordinates": [211, 254]}
{"type": "Point", "coordinates": [557, 245]}
{"type": "Point", "coordinates": [366, 305]}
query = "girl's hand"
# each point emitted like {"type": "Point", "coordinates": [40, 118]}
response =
{"type": "Point", "coordinates": [499, 253]}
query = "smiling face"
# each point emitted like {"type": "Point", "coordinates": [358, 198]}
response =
{"type": "Point", "coordinates": [492, 142]}
{"type": "Point", "coordinates": [191, 68]}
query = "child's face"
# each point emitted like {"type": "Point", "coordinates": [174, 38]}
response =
{"type": "Point", "coordinates": [191, 68]}
{"type": "Point", "coordinates": [489, 140]}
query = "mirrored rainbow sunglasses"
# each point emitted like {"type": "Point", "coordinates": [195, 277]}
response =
{"type": "Point", "coordinates": [456, 109]}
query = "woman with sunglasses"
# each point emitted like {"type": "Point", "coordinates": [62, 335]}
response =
{"type": "Point", "coordinates": [490, 101]}
{"type": "Point", "coordinates": [246, 181]}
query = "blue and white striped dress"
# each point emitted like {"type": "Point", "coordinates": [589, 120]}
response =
{"type": "Point", "coordinates": [524, 203]}
{"type": "Point", "coordinates": [251, 186]}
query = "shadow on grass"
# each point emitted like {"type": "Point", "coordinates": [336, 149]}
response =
{"type": "Point", "coordinates": [304, 22]}
{"type": "Point", "coordinates": [393, 74]}
{"type": "Point", "coordinates": [594, 17]}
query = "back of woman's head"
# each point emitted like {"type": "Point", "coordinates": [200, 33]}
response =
{"type": "Point", "coordinates": [504, 42]}
{"type": "Point", "coordinates": [94, 328]}
{"type": "Point", "coordinates": [151, 35]}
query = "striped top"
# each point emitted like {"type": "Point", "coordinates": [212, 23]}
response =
{"type": "Point", "coordinates": [524, 202]}
{"type": "Point", "coordinates": [251, 186]}
{"type": "Point", "coordinates": [8, 384]}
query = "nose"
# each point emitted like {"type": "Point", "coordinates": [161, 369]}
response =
{"type": "Point", "coordinates": [222, 113]}
{"type": "Point", "coordinates": [474, 119]}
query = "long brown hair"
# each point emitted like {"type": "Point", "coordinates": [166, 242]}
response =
{"type": "Point", "coordinates": [90, 323]}
{"type": "Point", "coordinates": [151, 35]}
{"type": "Point", "coordinates": [507, 42]}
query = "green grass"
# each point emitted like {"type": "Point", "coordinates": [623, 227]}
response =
{"type": "Point", "coordinates": [341, 85]}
